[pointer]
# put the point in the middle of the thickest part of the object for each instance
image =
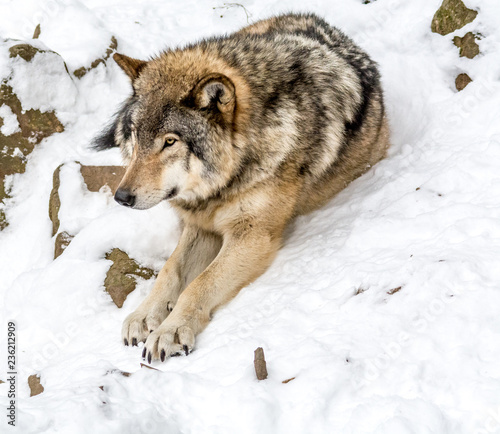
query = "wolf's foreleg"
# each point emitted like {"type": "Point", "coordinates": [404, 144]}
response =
{"type": "Point", "coordinates": [242, 258]}
{"type": "Point", "coordinates": [195, 251]}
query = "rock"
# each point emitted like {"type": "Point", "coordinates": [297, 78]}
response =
{"type": "Point", "coordinates": [451, 16]}
{"type": "Point", "coordinates": [260, 364]}
{"type": "Point", "coordinates": [62, 241]}
{"type": "Point", "coordinates": [97, 176]}
{"type": "Point", "coordinates": [25, 51]}
{"type": "Point", "coordinates": [36, 33]}
{"type": "Point", "coordinates": [15, 148]}
{"type": "Point", "coordinates": [462, 81]}
{"type": "Point", "coordinates": [35, 386]}
{"type": "Point", "coordinates": [394, 290]}
{"type": "Point", "coordinates": [80, 72]}
{"type": "Point", "coordinates": [94, 177]}
{"type": "Point", "coordinates": [467, 45]}
{"type": "Point", "coordinates": [55, 201]}
{"type": "Point", "coordinates": [3, 220]}
{"type": "Point", "coordinates": [120, 280]}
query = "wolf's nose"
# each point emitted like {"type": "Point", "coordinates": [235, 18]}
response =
{"type": "Point", "coordinates": [123, 197]}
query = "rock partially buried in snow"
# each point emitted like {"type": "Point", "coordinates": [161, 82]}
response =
{"type": "Point", "coordinates": [462, 81]}
{"type": "Point", "coordinates": [34, 126]}
{"type": "Point", "coordinates": [451, 16]}
{"type": "Point", "coordinates": [467, 45]}
{"type": "Point", "coordinates": [25, 51]}
{"type": "Point", "coordinates": [121, 277]}
{"type": "Point", "coordinates": [80, 72]}
{"type": "Point", "coordinates": [35, 387]}
{"type": "Point", "coordinates": [97, 176]}
{"type": "Point", "coordinates": [62, 241]}
{"type": "Point", "coordinates": [55, 201]}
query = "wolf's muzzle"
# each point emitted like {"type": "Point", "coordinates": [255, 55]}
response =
{"type": "Point", "coordinates": [123, 197]}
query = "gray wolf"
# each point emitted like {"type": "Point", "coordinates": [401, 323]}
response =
{"type": "Point", "coordinates": [240, 134]}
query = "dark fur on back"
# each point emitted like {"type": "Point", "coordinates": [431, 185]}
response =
{"type": "Point", "coordinates": [306, 96]}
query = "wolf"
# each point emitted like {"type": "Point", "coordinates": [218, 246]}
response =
{"type": "Point", "coordinates": [240, 134]}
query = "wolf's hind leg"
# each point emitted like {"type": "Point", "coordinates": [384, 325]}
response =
{"type": "Point", "coordinates": [195, 251]}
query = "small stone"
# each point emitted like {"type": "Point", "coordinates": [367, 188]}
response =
{"type": "Point", "coordinates": [462, 81]}
{"type": "Point", "coordinates": [260, 364]}
{"type": "Point", "coordinates": [451, 16]}
{"type": "Point", "coordinates": [62, 241]}
{"type": "Point", "coordinates": [36, 33]}
{"type": "Point", "coordinates": [120, 280]}
{"type": "Point", "coordinates": [34, 383]}
{"type": "Point", "coordinates": [467, 45]}
{"type": "Point", "coordinates": [394, 290]}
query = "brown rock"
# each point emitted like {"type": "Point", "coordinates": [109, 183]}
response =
{"type": "Point", "coordinates": [80, 72]}
{"type": "Point", "coordinates": [462, 81]}
{"type": "Point", "coordinates": [35, 386]}
{"type": "Point", "coordinates": [62, 241]}
{"type": "Point", "coordinates": [55, 201]}
{"type": "Point", "coordinates": [394, 290]}
{"type": "Point", "coordinates": [36, 33]}
{"type": "Point", "coordinates": [15, 148]}
{"type": "Point", "coordinates": [467, 45]}
{"type": "Point", "coordinates": [260, 364]}
{"type": "Point", "coordinates": [94, 177]}
{"type": "Point", "coordinates": [97, 176]}
{"type": "Point", "coordinates": [451, 16]}
{"type": "Point", "coordinates": [25, 51]}
{"type": "Point", "coordinates": [120, 280]}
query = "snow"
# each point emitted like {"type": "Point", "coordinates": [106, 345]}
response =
{"type": "Point", "coordinates": [423, 359]}
{"type": "Point", "coordinates": [10, 124]}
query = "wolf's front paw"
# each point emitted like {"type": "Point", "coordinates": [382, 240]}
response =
{"type": "Point", "coordinates": [169, 340]}
{"type": "Point", "coordinates": [139, 324]}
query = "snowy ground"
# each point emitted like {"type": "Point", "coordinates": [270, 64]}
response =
{"type": "Point", "coordinates": [424, 359]}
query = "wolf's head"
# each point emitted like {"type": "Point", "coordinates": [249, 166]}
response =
{"type": "Point", "coordinates": [175, 131]}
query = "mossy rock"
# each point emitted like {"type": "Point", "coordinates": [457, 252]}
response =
{"type": "Point", "coordinates": [467, 45]}
{"type": "Point", "coordinates": [25, 51]}
{"type": "Point", "coordinates": [121, 277]}
{"type": "Point", "coordinates": [35, 126]}
{"type": "Point", "coordinates": [451, 16]}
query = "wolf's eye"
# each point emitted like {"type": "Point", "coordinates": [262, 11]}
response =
{"type": "Point", "coordinates": [169, 142]}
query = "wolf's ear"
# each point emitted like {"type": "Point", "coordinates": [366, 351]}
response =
{"type": "Point", "coordinates": [132, 67]}
{"type": "Point", "coordinates": [217, 91]}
